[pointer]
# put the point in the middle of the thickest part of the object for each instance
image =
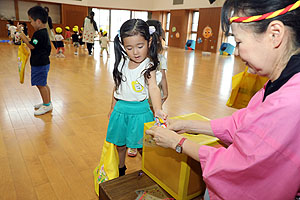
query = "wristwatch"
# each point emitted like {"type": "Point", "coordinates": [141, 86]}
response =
{"type": "Point", "coordinates": [178, 147]}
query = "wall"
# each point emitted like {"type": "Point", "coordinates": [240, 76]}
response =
{"type": "Point", "coordinates": [179, 20]}
{"type": "Point", "coordinates": [73, 15]}
{"type": "Point", "coordinates": [142, 4]}
{"type": "Point", "coordinates": [209, 17]}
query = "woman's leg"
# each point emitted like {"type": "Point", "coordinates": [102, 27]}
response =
{"type": "Point", "coordinates": [89, 47]}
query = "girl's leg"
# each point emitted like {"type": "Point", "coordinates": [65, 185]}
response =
{"type": "Point", "coordinates": [57, 50]}
{"type": "Point", "coordinates": [122, 155]}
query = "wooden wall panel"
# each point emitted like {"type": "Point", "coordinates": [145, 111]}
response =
{"type": "Point", "coordinates": [209, 17]}
{"type": "Point", "coordinates": [73, 15]}
{"type": "Point", "coordinates": [179, 20]}
{"type": "Point", "coordinates": [157, 15]}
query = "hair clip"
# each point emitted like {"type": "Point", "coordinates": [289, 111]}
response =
{"type": "Point", "coordinates": [152, 29]}
{"type": "Point", "coordinates": [159, 122]}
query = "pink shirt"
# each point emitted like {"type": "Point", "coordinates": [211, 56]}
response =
{"type": "Point", "coordinates": [263, 157]}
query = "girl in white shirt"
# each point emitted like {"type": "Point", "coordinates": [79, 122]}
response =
{"type": "Point", "coordinates": [134, 76]}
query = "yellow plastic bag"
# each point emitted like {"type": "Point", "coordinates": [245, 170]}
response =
{"type": "Point", "coordinates": [244, 86]}
{"type": "Point", "coordinates": [23, 55]}
{"type": "Point", "coordinates": [108, 167]}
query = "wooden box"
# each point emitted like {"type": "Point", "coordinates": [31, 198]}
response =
{"type": "Point", "coordinates": [178, 174]}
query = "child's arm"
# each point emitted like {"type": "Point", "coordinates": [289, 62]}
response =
{"type": "Point", "coordinates": [155, 96]}
{"type": "Point", "coordinates": [23, 37]}
{"type": "Point", "coordinates": [113, 103]}
{"type": "Point", "coordinates": [164, 85]}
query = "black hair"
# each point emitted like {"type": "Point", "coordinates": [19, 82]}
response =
{"type": "Point", "coordinates": [47, 9]}
{"type": "Point", "coordinates": [158, 30]}
{"type": "Point", "coordinates": [130, 28]}
{"type": "Point", "coordinates": [38, 12]}
{"type": "Point", "coordinates": [247, 8]}
{"type": "Point", "coordinates": [10, 22]}
{"type": "Point", "coordinates": [91, 16]}
{"type": "Point", "coordinates": [105, 34]}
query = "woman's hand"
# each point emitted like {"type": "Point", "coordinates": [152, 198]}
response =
{"type": "Point", "coordinates": [161, 114]}
{"type": "Point", "coordinates": [179, 126]}
{"type": "Point", "coordinates": [164, 137]}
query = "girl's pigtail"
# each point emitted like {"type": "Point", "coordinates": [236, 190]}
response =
{"type": "Point", "coordinates": [153, 55]}
{"type": "Point", "coordinates": [119, 54]}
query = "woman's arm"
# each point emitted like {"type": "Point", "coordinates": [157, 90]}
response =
{"type": "Point", "coordinates": [190, 126]}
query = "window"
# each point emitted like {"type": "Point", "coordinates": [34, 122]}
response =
{"type": "Point", "coordinates": [140, 15]}
{"type": "Point", "coordinates": [195, 22]}
{"type": "Point", "coordinates": [24, 6]}
{"type": "Point", "coordinates": [7, 10]}
{"type": "Point", "coordinates": [54, 12]}
{"type": "Point", "coordinates": [167, 28]}
{"type": "Point", "coordinates": [118, 17]}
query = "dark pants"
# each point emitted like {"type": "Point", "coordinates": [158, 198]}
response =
{"type": "Point", "coordinates": [89, 47]}
{"type": "Point", "coordinates": [54, 44]}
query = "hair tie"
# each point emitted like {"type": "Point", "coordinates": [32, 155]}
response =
{"type": "Point", "coordinates": [152, 29]}
{"type": "Point", "coordinates": [265, 16]}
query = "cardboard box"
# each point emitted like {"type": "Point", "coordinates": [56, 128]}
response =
{"type": "Point", "coordinates": [178, 174]}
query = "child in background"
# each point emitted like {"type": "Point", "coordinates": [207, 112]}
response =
{"type": "Point", "coordinates": [59, 43]}
{"type": "Point", "coordinates": [80, 37]}
{"type": "Point", "coordinates": [104, 41]}
{"type": "Point", "coordinates": [12, 32]}
{"type": "Point", "coordinates": [24, 27]}
{"type": "Point", "coordinates": [68, 35]}
{"type": "Point", "coordinates": [75, 39]}
{"type": "Point", "coordinates": [161, 77]}
{"type": "Point", "coordinates": [40, 47]}
{"type": "Point", "coordinates": [134, 76]}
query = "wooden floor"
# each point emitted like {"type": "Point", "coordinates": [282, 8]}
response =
{"type": "Point", "coordinates": [53, 156]}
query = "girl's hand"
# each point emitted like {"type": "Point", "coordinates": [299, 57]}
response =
{"type": "Point", "coordinates": [179, 126]}
{"type": "Point", "coordinates": [161, 114]}
{"type": "Point", "coordinates": [164, 137]}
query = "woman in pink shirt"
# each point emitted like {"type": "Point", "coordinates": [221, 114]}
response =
{"type": "Point", "coordinates": [262, 160]}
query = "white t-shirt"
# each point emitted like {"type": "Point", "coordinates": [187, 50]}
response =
{"type": "Point", "coordinates": [162, 66]}
{"type": "Point", "coordinates": [12, 30]}
{"type": "Point", "coordinates": [133, 88]}
{"type": "Point", "coordinates": [104, 41]}
{"type": "Point", "coordinates": [59, 37]}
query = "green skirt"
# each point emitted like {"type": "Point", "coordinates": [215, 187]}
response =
{"type": "Point", "coordinates": [126, 123]}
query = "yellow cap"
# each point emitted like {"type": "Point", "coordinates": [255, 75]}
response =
{"type": "Point", "coordinates": [58, 30]}
{"type": "Point", "coordinates": [81, 28]}
{"type": "Point", "coordinates": [67, 27]}
{"type": "Point", "coordinates": [75, 26]}
{"type": "Point", "coordinates": [75, 29]}
{"type": "Point", "coordinates": [104, 32]}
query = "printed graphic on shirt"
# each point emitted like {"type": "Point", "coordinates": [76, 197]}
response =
{"type": "Point", "coordinates": [35, 41]}
{"type": "Point", "coordinates": [136, 86]}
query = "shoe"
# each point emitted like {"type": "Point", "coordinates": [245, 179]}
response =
{"type": "Point", "coordinates": [43, 109]}
{"type": "Point", "coordinates": [90, 54]}
{"type": "Point", "coordinates": [132, 152]}
{"type": "Point", "coordinates": [75, 53]}
{"type": "Point", "coordinates": [101, 55]}
{"type": "Point", "coordinates": [62, 55]}
{"type": "Point", "coordinates": [122, 171]}
{"type": "Point", "coordinates": [37, 106]}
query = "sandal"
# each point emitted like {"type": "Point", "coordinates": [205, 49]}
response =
{"type": "Point", "coordinates": [132, 152]}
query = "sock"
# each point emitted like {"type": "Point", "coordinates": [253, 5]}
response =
{"type": "Point", "coordinates": [47, 104]}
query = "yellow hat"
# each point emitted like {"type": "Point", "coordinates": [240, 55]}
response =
{"type": "Point", "coordinates": [58, 30]}
{"type": "Point", "coordinates": [81, 28]}
{"type": "Point", "coordinates": [75, 26]}
{"type": "Point", "coordinates": [67, 27]}
{"type": "Point", "coordinates": [75, 29]}
{"type": "Point", "coordinates": [104, 32]}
